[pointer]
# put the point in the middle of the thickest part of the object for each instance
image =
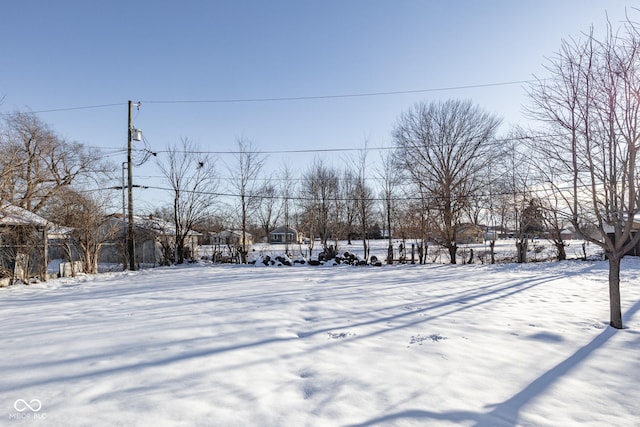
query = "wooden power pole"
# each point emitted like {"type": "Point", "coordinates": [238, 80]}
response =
{"type": "Point", "coordinates": [130, 242]}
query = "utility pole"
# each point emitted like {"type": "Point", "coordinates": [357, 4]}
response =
{"type": "Point", "coordinates": [130, 242]}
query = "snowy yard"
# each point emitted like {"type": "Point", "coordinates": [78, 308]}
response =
{"type": "Point", "coordinates": [405, 345]}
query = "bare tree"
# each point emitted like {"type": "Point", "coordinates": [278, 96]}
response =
{"type": "Point", "coordinates": [363, 197]}
{"type": "Point", "coordinates": [193, 181]}
{"type": "Point", "coordinates": [414, 222]}
{"type": "Point", "coordinates": [591, 107]}
{"type": "Point", "coordinates": [425, 223]}
{"type": "Point", "coordinates": [444, 146]}
{"type": "Point", "coordinates": [287, 188]}
{"type": "Point", "coordinates": [348, 209]}
{"type": "Point", "coordinates": [555, 223]}
{"type": "Point", "coordinates": [516, 189]}
{"type": "Point", "coordinates": [268, 207]}
{"type": "Point", "coordinates": [83, 213]}
{"type": "Point", "coordinates": [499, 206]}
{"type": "Point", "coordinates": [319, 189]}
{"type": "Point", "coordinates": [388, 174]}
{"type": "Point", "coordinates": [245, 173]}
{"type": "Point", "coordinates": [9, 163]}
{"type": "Point", "coordinates": [37, 163]}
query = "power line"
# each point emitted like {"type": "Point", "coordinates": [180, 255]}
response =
{"type": "Point", "coordinates": [85, 107]}
{"type": "Point", "coordinates": [340, 198]}
{"type": "Point", "coordinates": [286, 98]}
{"type": "Point", "coordinates": [494, 141]}
{"type": "Point", "coordinates": [336, 96]}
{"type": "Point", "coordinates": [299, 151]}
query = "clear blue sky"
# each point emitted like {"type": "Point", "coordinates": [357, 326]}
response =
{"type": "Point", "coordinates": [65, 54]}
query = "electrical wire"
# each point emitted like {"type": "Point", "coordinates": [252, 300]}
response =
{"type": "Point", "coordinates": [301, 198]}
{"type": "Point", "coordinates": [287, 98]}
{"type": "Point", "coordinates": [337, 96]}
{"type": "Point", "coordinates": [495, 141]}
{"type": "Point", "coordinates": [85, 107]}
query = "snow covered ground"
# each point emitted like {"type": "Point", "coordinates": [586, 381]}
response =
{"type": "Point", "coordinates": [402, 345]}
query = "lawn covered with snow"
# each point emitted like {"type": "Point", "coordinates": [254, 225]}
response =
{"type": "Point", "coordinates": [402, 345]}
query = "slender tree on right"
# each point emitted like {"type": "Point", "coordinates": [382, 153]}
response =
{"type": "Point", "coordinates": [590, 103]}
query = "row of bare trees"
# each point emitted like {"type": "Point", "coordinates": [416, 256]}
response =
{"type": "Point", "coordinates": [335, 203]}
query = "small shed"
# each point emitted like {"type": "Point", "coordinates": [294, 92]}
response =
{"type": "Point", "coordinates": [23, 243]}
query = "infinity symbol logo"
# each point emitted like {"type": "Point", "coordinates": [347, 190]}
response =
{"type": "Point", "coordinates": [21, 405]}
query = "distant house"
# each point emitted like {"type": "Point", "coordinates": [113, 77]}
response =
{"type": "Point", "coordinates": [154, 241]}
{"type": "Point", "coordinates": [470, 233]}
{"type": "Point", "coordinates": [566, 234]}
{"type": "Point", "coordinates": [635, 228]}
{"type": "Point", "coordinates": [285, 235]}
{"type": "Point", "coordinates": [494, 232]}
{"type": "Point", "coordinates": [23, 244]}
{"type": "Point", "coordinates": [230, 238]}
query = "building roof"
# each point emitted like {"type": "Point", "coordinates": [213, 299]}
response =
{"type": "Point", "coordinates": [635, 226]}
{"type": "Point", "coordinates": [283, 230]}
{"type": "Point", "coordinates": [226, 233]}
{"type": "Point", "coordinates": [469, 228]}
{"type": "Point", "coordinates": [14, 215]}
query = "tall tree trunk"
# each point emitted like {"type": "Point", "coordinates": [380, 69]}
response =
{"type": "Point", "coordinates": [180, 249]}
{"type": "Point", "coordinates": [177, 257]}
{"type": "Point", "coordinates": [562, 253]}
{"type": "Point", "coordinates": [614, 291]}
{"type": "Point", "coordinates": [492, 245]}
{"type": "Point", "coordinates": [364, 235]}
{"type": "Point", "coordinates": [389, 237]}
{"type": "Point", "coordinates": [522, 246]}
{"type": "Point", "coordinates": [243, 239]}
{"type": "Point", "coordinates": [453, 249]}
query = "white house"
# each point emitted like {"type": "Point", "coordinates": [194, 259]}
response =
{"type": "Point", "coordinates": [285, 235]}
